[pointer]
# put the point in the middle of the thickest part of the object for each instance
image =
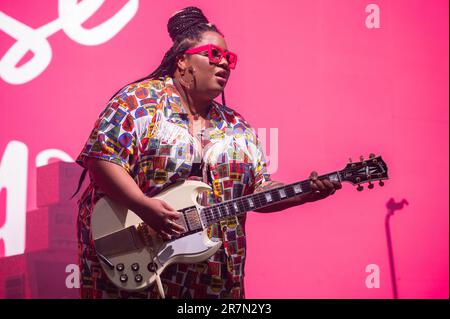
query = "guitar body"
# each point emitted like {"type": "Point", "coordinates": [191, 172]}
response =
{"type": "Point", "coordinates": [133, 255]}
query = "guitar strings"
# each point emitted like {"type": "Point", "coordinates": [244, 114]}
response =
{"type": "Point", "coordinates": [260, 198]}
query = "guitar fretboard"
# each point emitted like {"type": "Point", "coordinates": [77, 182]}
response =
{"type": "Point", "coordinates": [240, 205]}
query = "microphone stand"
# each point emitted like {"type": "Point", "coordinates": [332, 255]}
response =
{"type": "Point", "coordinates": [392, 206]}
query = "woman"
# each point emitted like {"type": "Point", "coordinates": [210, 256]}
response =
{"type": "Point", "coordinates": [167, 127]}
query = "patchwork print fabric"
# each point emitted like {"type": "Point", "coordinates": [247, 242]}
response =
{"type": "Point", "coordinates": [145, 129]}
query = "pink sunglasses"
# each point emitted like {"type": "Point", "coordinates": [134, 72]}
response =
{"type": "Point", "coordinates": [215, 54]}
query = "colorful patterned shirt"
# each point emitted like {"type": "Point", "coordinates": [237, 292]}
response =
{"type": "Point", "coordinates": [145, 129]}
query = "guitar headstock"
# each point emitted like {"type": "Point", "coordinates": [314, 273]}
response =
{"type": "Point", "coordinates": [365, 171]}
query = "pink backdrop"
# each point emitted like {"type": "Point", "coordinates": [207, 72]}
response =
{"type": "Point", "coordinates": [332, 87]}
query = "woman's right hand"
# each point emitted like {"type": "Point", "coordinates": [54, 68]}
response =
{"type": "Point", "coordinates": [161, 217]}
{"type": "Point", "coordinates": [115, 181]}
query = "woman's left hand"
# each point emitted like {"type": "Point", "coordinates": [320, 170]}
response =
{"type": "Point", "coordinates": [320, 189]}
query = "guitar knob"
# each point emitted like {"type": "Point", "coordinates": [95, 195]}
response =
{"type": "Point", "coordinates": [381, 183]}
{"type": "Point", "coordinates": [372, 155]}
{"type": "Point", "coordinates": [120, 267]}
{"type": "Point", "coordinates": [138, 278]}
{"type": "Point", "coordinates": [370, 186]}
{"type": "Point", "coordinates": [361, 158]}
{"type": "Point", "coordinates": [135, 266]}
{"type": "Point", "coordinates": [151, 267]}
{"type": "Point", "coordinates": [359, 188]}
{"type": "Point", "coordinates": [350, 160]}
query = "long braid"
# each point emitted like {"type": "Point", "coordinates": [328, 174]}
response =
{"type": "Point", "coordinates": [185, 28]}
{"type": "Point", "coordinates": [223, 98]}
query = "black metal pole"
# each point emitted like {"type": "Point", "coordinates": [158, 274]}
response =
{"type": "Point", "coordinates": [390, 252]}
{"type": "Point", "coordinates": [392, 206]}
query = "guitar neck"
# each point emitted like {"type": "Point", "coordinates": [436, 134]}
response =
{"type": "Point", "coordinates": [240, 205]}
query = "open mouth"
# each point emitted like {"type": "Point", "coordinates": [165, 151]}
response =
{"type": "Point", "coordinates": [222, 76]}
{"type": "Point", "coordinates": [222, 81]}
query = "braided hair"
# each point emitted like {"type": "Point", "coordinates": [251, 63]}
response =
{"type": "Point", "coordinates": [185, 28]}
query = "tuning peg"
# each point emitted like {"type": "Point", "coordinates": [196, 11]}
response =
{"type": "Point", "coordinates": [350, 160]}
{"type": "Point", "coordinates": [370, 186]}
{"type": "Point", "coordinates": [361, 158]}
{"type": "Point", "coordinates": [371, 155]}
{"type": "Point", "coordinates": [381, 183]}
{"type": "Point", "coordinates": [359, 188]}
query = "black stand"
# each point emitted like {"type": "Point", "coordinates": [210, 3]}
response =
{"type": "Point", "coordinates": [392, 206]}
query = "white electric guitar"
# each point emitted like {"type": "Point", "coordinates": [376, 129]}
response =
{"type": "Point", "coordinates": [133, 255]}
